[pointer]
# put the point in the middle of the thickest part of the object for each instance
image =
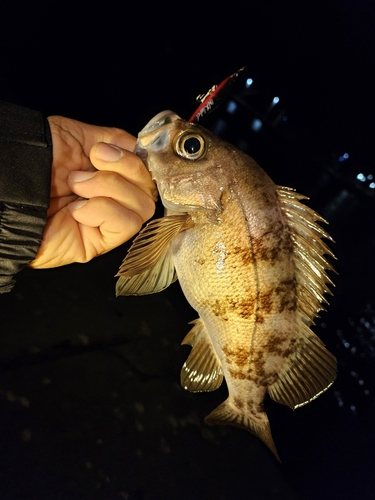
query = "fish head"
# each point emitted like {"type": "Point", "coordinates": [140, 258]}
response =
{"type": "Point", "coordinates": [186, 161]}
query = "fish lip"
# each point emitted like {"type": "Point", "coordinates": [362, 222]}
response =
{"type": "Point", "coordinates": [153, 135]}
{"type": "Point", "coordinates": [158, 121]}
{"type": "Point", "coordinates": [141, 152]}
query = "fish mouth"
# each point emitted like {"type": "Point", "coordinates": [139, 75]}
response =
{"type": "Point", "coordinates": [161, 119]}
{"type": "Point", "coordinates": [153, 137]}
{"type": "Point", "coordinates": [141, 152]}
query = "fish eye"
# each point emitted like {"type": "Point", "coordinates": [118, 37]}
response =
{"type": "Point", "coordinates": [190, 146]}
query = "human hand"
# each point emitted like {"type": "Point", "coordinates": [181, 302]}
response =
{"type": "Point", "coordinates": [100, 194]}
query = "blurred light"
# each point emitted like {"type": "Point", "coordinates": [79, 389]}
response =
{"type": "Point", "coordinates": [370, 177]}
{"type": "Point", "coordinates": [256, 125]}
{"type": "Point", "coordinates": [343, 157]}
{"type": "Point", "coordinates": [339, 398]}
{"type": "Point", "coordinates": [285, 118]}
{"type": "Point", "coordinates": [249, 82]}
{"type": "Point", "coordinates": [354, 409]}
{"type": "Point", "coordinates": [219, 126]}
{"type": "Point", "coordinates": [360, 177]}
{"type": "Point", "coordinates": [275, 100]}
{"type": "Point", "coordinates": [372, 185]}
{"type": "Point", "coordinates": [231, 107]}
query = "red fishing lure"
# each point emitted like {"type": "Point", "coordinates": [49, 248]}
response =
{"type": "Point", "coordinates": [211, 99]}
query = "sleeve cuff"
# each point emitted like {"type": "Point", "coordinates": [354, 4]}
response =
{"type": "Point", "coordinates": [25, 183]}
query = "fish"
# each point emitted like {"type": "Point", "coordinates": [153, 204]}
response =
{"type": "Point", "coordinates": [250, 258]}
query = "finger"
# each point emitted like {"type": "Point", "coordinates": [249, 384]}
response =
{"type": "Point", "coordinates": [111, 157]}
{"type": "Point", "coordinates": [112, 185]}
{"type": "Point", "coordinates": [87, 135]}
{"type": "Point", "coordinates": [104, 224]}
{"type": "Point", "coordinates": [119, 137]}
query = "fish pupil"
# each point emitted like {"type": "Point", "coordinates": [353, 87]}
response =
{"type": "Point", "coordinates": [192, 145]}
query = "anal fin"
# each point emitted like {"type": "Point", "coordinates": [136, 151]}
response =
{"type": "Point", "coordinates": [202, 370]}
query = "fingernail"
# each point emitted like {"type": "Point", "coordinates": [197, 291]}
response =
{"type": "Point", "coordinates": [108, 152]}
{"type": "Point", "coordinates": [80, 175]}
{"type": "Point", "coordinates": [75, 205]}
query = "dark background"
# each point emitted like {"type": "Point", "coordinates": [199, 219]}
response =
{"type": "Point", "coordinates": [90, 401]}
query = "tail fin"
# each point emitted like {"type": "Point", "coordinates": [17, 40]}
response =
{"type": "Point", "coordinates": [228, 414]}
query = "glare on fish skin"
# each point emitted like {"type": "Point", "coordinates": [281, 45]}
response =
{"type": "Point", "coordinates": [195, 377]}
{"type": "Point", "coordinates": [220, 250]}
{"type": "Point", "coordinates": [312, 399]}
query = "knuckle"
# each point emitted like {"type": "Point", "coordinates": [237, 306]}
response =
{"type": "Point", "coordinates": [111, 177]}
{"type": "Point", "coordinates": [134, 223]}
{"type": "Point", "coordinates": [136, 165]}
{"type": "Point", "coordinates": [148, 209]}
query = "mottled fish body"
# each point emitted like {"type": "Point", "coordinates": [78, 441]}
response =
{"type": "Point", "coordinates": [250, 260]}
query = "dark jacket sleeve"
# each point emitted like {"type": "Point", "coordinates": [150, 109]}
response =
{"type": "Point", "coordinates": [25, 180]}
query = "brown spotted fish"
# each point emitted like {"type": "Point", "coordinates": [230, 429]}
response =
{"type": "Point", "coordinates": [250, 260]}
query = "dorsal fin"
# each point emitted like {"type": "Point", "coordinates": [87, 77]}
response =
{"type": "Point", "coordinates": [202, 370]}
{"type": "Point", "coordinates": [309, 369]}
{"type": "Point", "coordinates": [311, 276]}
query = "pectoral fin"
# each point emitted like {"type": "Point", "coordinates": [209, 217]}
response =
{"type": "Point", "coordinates": [202, 370]}
{"type": "Point", "coordinates": [148, 267]}
{"type": "Point", "coordinates": [153, 280]}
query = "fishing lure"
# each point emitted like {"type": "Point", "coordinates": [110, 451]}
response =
{"type": "Point", "coordinates": [211, 99]}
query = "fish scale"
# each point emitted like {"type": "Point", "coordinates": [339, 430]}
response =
{"type": "Point", "coordinates": [246, 314]}
{"type": "Point", "coordinates": [249, 259]}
